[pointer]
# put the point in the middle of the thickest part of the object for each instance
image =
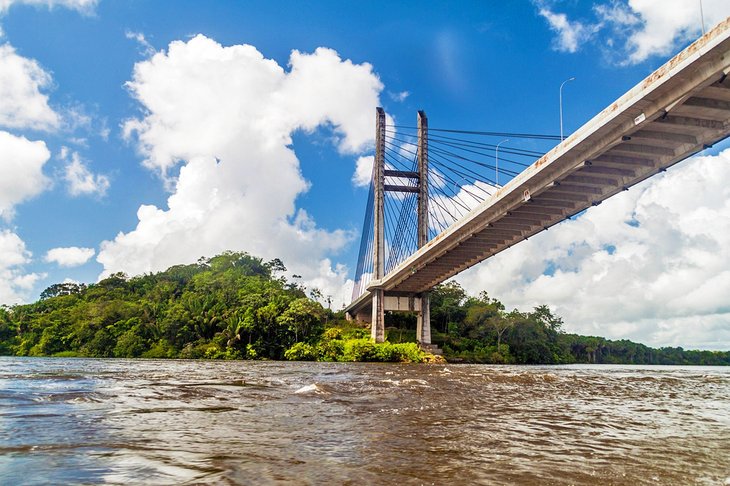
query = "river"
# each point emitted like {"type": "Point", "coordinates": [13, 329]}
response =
{"type": "Point", "coordinates": [85, 421]}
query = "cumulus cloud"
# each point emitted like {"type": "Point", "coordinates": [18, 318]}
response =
{"type": "Point", "coordinates": [15, 283]}
{"type": "Point", "coordinates": [363, 171]}
{"type": "Point", "coordinates": [664, 24]}
{"type": "Point", "coordinates": [21, 171]}
{"type": "Point", "coordinates": [651, 264]}
{"type": "Point", "coordinates": [80, 180]}
{"type": "Point", "coordinates": [225, 116]}
{"type": "Point", "coordinates": [571, 34]}
{"type": "Point", "coordinates": [83, 6]}
{"type": "Point", "coordinates": [455, 201]}
{"type": "Point", "coordinates": [23, 104]}
{"type": "Point", "coordinates": [636, 29]}
{"type": "Point", "coordinates": [71, 256]}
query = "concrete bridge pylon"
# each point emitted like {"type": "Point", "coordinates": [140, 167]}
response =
{"type": "Point", "coordinates": [383, 301]}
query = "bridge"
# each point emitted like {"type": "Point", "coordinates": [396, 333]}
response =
{"type": "Point", "coordinates": [436, 206]}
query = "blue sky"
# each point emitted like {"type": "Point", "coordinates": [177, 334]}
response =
{"type": "Point", "coordinates": [136, 135]}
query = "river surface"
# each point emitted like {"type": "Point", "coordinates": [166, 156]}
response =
{"type": "Point", "coordinates": [84, 421]}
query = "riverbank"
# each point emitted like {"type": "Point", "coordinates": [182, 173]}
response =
{"type": "Point", "coordinates": [236, 306]}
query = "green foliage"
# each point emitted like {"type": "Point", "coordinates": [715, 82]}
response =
{"type": "Point", "coordinates": [354, 344]}
{"type": "Point", "coordinates": [130, 345]}
{"type": "Point", "coordinates": [301, 352]}
{"type": "Point", "coordinates": [304, 317]}
{"type": "Point", "coordinates": [479, 330]}
{"type": "Point", "coordinates": [330, 350]}
{"type": "Point", "coordinates": [230, 306]}
{"type": "Point", "coordinates": [235, 306]}
{"type": "Point", "coordinates": [447, 306]}
{"type": "Point", "coordinates": [65, 288]}
{"type": "Point", "coordinates": [363, 349]}
{"type": "Point", "coordinates": [159, 350]}
{"type": "Point", "coordinates": [400, 352]}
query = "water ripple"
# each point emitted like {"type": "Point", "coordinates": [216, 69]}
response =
{"type": "Point", "coordinates": [71, 421]}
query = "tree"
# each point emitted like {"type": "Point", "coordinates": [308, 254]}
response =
{"type": "Point", "coordinates": [315, 294]}
{"type": "Point", "coordinates": [275, 266]}
{"type": "Point", "coordinates": [500, 324]}
{"type": "Point", "coordinates": [66, 288]}
{"type": "Point", "coordinates": [232, 331]}
{"type": "Point", "coordinates": [447, 304]}
{"type": "Point", "coordinates": [479, 317]}
{"type": "Point", "coordinates": [304, 317]}
{"type": "Point", "coordinates": [543, 315]}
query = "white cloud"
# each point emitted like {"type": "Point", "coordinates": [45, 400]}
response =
{"type": "Point", "coordinates": [83, 6]}
{"type": "Point", "coordinates": [667, 23]}
{"type": "Point", "coordinates": [71, 256]}
{"type": "Point", "coordinates": [456, 201]}
{"type": "Point", "coordinates": [399, 97]}
{"type": "Point", "coordinates": [226, 114]}
{"type": "Point", "coordinates": [319, 89]}
{"type": "Point", "coordinates": [363, 174]}
{"type": "Point", "coordinates": [145, 47]}
{"type": "Point", "coordinates": [651, 264]}
{"type": "Point", "coordinates": [21, 81]}
{"type": "Point", "coordinates": [79, 178]}
{"type": "Point", "coordinates": [21, 174]}
{"type": "Point", "coordinates": [571, 34]}
{"type": "Point", "coordinates": [15, 283]}
{"type": "Point", "coordinates": [635, 30]}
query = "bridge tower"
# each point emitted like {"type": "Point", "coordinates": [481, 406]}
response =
{"type": "Point", "coordinates": [377, 329]}
{"type": "Point", "coordinates": [380, 301]}
{"type": "Point", "coordinates": [423, 327]}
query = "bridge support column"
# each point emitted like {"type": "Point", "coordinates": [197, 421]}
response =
{"type": "Point", "coordinates": [423, 322]}
{"type": "Point", "coordinates": [377, 324]}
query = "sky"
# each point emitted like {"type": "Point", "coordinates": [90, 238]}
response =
{"type": "Point", "coordinates": [142, 134]}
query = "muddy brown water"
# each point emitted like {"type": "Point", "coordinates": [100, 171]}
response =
{"type": "Point", "coordinates": [84, 421]}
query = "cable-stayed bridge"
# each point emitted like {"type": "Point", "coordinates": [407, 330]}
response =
{"type": "Point", "coordinates": [444, 200]}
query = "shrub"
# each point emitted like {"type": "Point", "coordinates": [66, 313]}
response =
{"type": "Point", "coordinates": [407, 353]}
{"type": "Point", "coordinates": [301, 352]}
{"type": "Point", "coordinates": [162, 349]}
{"type": "Point", "coordinates": [366, 350]}
{"type": "Point", "coordinates": [359, 350]}
{"type": "Point", "coordinates": [356, 333]}
{"type": "Point", "coordinates": [333, 333]}
{"type": "Point", "coordinates": [195, 350]}
{"type": "Point", "coordinates": [251, 352]}
{"type": "Point", "coordinates": [331, 350]}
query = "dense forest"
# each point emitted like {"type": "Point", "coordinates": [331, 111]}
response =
{"type": "Point", "coordinates": [480, 330]}
{"type": "Point", "coordinates": [236, 306]}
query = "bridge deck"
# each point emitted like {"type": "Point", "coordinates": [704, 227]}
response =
{"type": "Point", "coordinates": [674, 113]}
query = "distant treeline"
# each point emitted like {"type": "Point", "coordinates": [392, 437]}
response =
{"type": "Point", "coordinates": [236, 306]}
{"type": "Point", "coordinates": [479, 330]}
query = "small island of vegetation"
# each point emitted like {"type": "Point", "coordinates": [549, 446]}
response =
{"type": "Point", "coordinates": [236, 306]}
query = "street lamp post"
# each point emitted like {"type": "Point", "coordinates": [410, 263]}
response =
{"type": "Point", "coordinates": [702, 18]}
{"type": "Point", "coordinates": [496, 161]}
{"type": "Point", "coordinates": [561, 107]}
